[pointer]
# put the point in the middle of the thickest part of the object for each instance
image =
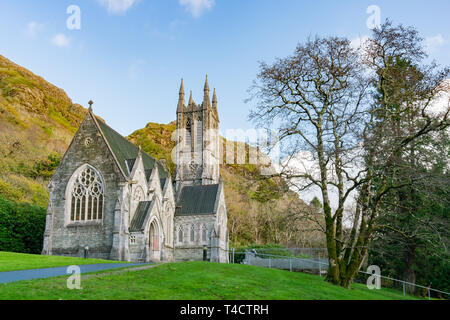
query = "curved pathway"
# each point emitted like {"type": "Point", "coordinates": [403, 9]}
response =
{"type": "Point", "coordinates": [10, 276]}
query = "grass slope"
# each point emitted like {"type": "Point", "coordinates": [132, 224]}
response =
{"type": "Point", "coordinates": [37, 123]}
{"type": "Point", "coordinates": [11, 261]}
{"type": "Point", "coordinates": [195, 280]}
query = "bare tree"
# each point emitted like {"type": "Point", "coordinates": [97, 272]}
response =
{"type": "Point", "coordinates": [325, 102]}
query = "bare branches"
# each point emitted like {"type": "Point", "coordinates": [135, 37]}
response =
{"type": "Point", "coordinates": [342, 119]}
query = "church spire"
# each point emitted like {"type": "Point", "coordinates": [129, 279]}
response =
{"type": "Point", "coordinates": [181, 98]}
{"type": "Point", "coordinates": [214, 99]}
{"type": "Point", "coordinates": [206, 102]}
{"type": "Point", "coordinates": [206, 88]}
{"type": "Point", "coordinates": [191, 101]}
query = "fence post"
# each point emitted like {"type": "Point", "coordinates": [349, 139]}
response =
{"type": "Point", "coordinates": [232, 253]}
{"type": "Point", "coordinates": [270, 262]}
{"type": "Point", "coordinates": [320, 267]}
{"type": "Point", "coordinates": [429, 297]}
{"type": "Point", "coordinates": [290, 264]}
{"type": "Point", "coordinates": [404, 290]}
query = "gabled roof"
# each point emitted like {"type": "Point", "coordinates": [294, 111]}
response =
{"type": "Point", "coordinates": [195, 200]}
{"type": "Point", "coordinates": [126, 152]}
{"type": "Point", "coordinates": [139, 216]}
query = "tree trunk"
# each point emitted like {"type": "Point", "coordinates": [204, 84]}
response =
{"type": "Point", "coordinates": [409, 274]}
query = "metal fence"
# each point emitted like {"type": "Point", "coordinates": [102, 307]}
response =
{"type": "Point", "coordinates": [319, 266]}
{"type": "Point", "coordinates": [403, 285]}
{"type": "Point", "coordinates": [310, 252]}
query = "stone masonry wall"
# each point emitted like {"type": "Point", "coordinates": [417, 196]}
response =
{"type": "Point", "coordinates": [187, 250]}
{"type": "Point", "coordinates": [69, 239]}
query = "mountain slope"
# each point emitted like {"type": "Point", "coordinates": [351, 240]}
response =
{"type": "Point", "coordinates": [37, 123]}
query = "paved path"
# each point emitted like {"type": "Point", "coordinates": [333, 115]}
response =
{"type": "Point", "coordinates": [11, 276]}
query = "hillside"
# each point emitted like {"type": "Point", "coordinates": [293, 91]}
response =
{"type": "Point", "coordinates": [38, 121]}
{"type": "Point", "coordinates": [195, 281]}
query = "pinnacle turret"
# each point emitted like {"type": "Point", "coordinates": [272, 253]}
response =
{"type": "Point", "coordinates": [206, 102]}
{"type": "Point", "coordinates": [214, 99]}
{"type": "Point", "coordinates": [206, 88]}
{"type": "Point", "coordinates": [191, 101]}
{"type": "Point", "coordinates": [180, 107]}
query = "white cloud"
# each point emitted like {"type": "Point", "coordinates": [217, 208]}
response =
{"type": "Point", "coordinates": [196, 7]}
{"type": "Point", "coordinates": [433, 43]}
{"type": "Point", "coordinates": [117, 6]}
{"type": "Point", "coordinates": [61, 40]}
{"type": "Point", "coordinates": [33, 28]}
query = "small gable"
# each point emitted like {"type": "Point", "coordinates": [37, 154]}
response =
{"type": "Point", "coordinates": [139, 216]}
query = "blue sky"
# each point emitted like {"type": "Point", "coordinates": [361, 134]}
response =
{"type": "Point", "coordinates": [129, 56]}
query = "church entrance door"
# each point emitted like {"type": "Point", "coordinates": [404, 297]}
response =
{"type": "Point", "coordinates": [154, 241]}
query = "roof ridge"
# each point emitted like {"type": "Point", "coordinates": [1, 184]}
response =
{"type": "Point", "coordinates": [94, 118]}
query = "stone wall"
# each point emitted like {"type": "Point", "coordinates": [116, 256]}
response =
{"type": "Point", "coordinates": [188, 250]}
{"type": "Point", "coordinates": [69, 239]}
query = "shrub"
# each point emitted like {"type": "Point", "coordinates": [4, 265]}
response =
{"type": "Point", "coordinates": [22, 227]}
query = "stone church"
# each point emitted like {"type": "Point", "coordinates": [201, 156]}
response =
{"type": "Point", "coordinates": [108, 196]}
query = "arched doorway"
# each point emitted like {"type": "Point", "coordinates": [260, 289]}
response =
{"type": "Point", "coordinates": [154, 241]}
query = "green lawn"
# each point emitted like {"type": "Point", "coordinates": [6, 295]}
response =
{"type": "Point", "coordinates": [11, 261]}
{"type": "Point", "coordinates": [194, 280]}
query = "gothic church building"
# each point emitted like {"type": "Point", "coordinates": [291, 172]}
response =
{"type": "Point", "coordinates": [109, 196]}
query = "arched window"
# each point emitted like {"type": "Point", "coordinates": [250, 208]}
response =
{"type": "Point", "coordinates": [86, 195]}
{"type": "Point", "coordinates": [204, 233]}
{"type": "Point", "coordinates": [180, 235]}
{"type": "Point", "coordinates": [188, 133]}
{"type": "Point", "coordinates": [192, 237]}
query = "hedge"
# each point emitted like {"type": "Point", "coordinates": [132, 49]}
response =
{"type": "Point", "coordinates": [22, 227]}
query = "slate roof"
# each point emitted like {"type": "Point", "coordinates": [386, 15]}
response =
{"type": "Point", "coordinates": [139, 216]}
{"type": "Point", "coordinates": [163, 183]}
{"type": "Point", "coordinates": [148, 173]}
{"type": "Point", "coordinates": [126, 152]}
{"type": "Point", "coordinates": [195, 200]}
